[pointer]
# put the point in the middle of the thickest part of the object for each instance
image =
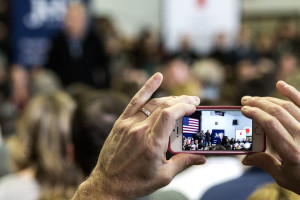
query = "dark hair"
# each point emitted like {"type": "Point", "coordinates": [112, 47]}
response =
{"type": "Point", "coordinates": [217, 147]}
{"type": "Point", "coordinates": [94, 118]}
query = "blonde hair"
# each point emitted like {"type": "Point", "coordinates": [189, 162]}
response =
{"type": "Point", "coordinates": [43, 137]}
{"type": "Point", "coordinates": [273, 192]}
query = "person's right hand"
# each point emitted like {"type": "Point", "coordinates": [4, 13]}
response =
{"type": "Point", "coordinates": [281, 121]}
{"type": "Point", "coordinates": [132, 162]}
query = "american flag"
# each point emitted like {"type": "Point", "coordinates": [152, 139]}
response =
{"type": "Point", "coordinates": [190, 125]}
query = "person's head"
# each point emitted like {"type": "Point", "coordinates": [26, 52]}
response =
{"type": "Point", "coordinates": [273, 191]}
{"type": "Point", "coordinates": [196, 141]}
{"type": "Point", "coordinates": [76, 19]}
{"type": "Point", "coordinates": [201, 141]}
{"type": "Point", "coordinates": [93, 120]}
{"type": "Point", "coordinates": [288, 65]}
{"type": "Point", "coordinates": [245, 36]}
{"type": "Point", "coordinates": [220, 41]}
{"type": "Point", "coordinates": [228, 147]}
{"type": "Point", "coordinates": [44, 82]}
{"type": "Point", "coordinates": [176, 73]}
{"type": "Point", "coordinates": [217, 147]}
{"type": "Point", "coordinates": [193, 142]}
{"type": "Point", "coordinates": [246, 71]}
{"type": "Point", "coordinates": [221, 135]}
{"type": "Point", "coordinates": [44, 139]}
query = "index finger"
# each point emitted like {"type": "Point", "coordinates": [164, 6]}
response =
{"type": "Point", "coordinates": [278, 136]}
{"type": "Point", "coordinates": [165, 122]}
{"type": "Point", "coordinates": [143, 95]}
{"type": "Point", "coordinates": [289, 91]}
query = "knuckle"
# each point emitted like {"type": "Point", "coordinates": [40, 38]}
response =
{"type": "Point", "coordinates": [136, 132]}
{"type": "Point", "coordinates": [288, 105]}
{"type": "Point", "coordinates": [154, 102]}
{"type": "Point", "coordinates": [166, 104]}
{"type": "Point", "coordinates": [188, 161]}
{"type": "Point", "coordinates": [271, 123]}
{"type": "Point", "coordinates": [147, 86]}
{"type": "Point", "coordinates": [188, 99]}
{"type": "Point", "coordinates": [166, 115]}
{"type": "Point", "coordinates": [275, 110]}
{"type": "Point", "coordinates": [184, 96]}
{"type": "Point", "coordinates": [124, 129]}
{"type": "Point", "coordinates": [254, 99]}
{"type": "Point", "coordinates": [134, 101]}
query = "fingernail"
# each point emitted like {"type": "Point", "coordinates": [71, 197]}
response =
{"type": "Point", "coordinates": [157, 76]}
{"type": "Point", "coordinates": [197, 98]}
{"type": "Point", "coordinates": [245, 108]}
{"type": "Point", "coordinates": [282, 83]}
{"type": "Point", "coordinates": [246, 98]}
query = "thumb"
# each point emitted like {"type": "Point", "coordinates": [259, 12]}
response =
{"type": "Point", "coordinates": [182, 161]}
{"type": "Point", "coordinates": [266, 162]}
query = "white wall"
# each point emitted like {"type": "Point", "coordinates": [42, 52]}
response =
{"type": "Point", "coordinates": [224, 123]}
{"type": "Point", "coordinates": [270, 6]}
{"type": "Point", "coordinates": [130, 16]}
{"type": "Point", "coordinates": [200, 22]}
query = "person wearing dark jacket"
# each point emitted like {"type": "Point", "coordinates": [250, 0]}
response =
{"type": "Point", "coordinates": [78, 55]}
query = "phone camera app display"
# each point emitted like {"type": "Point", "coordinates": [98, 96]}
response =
{"type": "Point", "coordinates": [217, 131]}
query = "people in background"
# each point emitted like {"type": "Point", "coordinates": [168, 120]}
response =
{"type": "Point", "coordinates": [77, 54]}
{"type": "Point", "coordinates": [207, 138]}
{"type": "Point", "coordinates": [94, 117]}
{"type": "Point", "coordinates": [42, 151]}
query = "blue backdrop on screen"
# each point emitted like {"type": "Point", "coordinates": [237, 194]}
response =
{"type": "Point", "coordinates": [34, 22]}
{"type": "Point", "coordinates": [214, 135]}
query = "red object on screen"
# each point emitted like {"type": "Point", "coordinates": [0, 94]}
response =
{"type": "Point", "coordinates": [247, 130]}
{"type": "Point", "coordinates": [201, 3]}
{"type": "Point", "coordinates": [240, 133]}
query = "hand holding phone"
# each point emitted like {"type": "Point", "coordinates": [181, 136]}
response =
{"type": "Point", "coordinates": [281, 121]}
{"type": "Point", "coordinates": [217, 130]}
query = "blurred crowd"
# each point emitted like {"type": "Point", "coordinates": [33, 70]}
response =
{"type": "Point", "coordinates": [55, 118]}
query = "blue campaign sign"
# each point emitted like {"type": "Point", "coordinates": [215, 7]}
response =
{"type": "Point", "coordinates": [34, 22]}
{"type": "Point", "coordinates": [215, 135]}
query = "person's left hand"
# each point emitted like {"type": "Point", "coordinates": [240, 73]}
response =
{"type": "Point", "coordinates": [281, 121]}
{"type": "Point", "coordinates": [132, 162]}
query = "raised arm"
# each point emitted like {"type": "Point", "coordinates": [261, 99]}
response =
{"type": "Point", "coordinates": [132, 162]}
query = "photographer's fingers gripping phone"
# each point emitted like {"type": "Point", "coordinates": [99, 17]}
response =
{"type": "Point", "coordinates": [217, 130]}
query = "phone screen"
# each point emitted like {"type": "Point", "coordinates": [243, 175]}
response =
{"type": "Point", "coordinates": [217, 131]}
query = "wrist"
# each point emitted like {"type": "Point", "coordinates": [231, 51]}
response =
{"type": "Point", "coordinates": [99, 186]}
{"type": "Point", "coordinates": [89, 190]}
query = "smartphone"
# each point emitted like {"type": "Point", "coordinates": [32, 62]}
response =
{"type": "Point", "coordinates": [217, 130]}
